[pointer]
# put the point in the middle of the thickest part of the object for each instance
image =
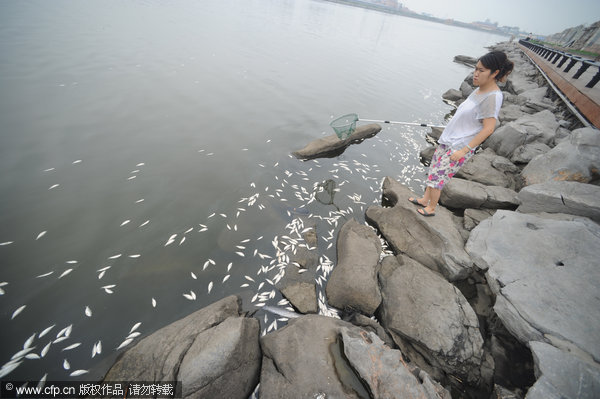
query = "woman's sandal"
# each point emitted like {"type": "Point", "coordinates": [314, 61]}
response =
{"type": "Point", "coordinates": [415, 201]}
{"type": "Point", "coordinates": [425, 213]}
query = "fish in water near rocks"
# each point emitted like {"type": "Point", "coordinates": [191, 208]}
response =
{"type": "Point", "coordinates": [281, 312]}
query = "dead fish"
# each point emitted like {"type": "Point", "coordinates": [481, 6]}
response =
{"type": "Point", "coordinates": [134, 334]}
{"type": "Point", "coordinates": [66, 364]}
{"type": "Point", "coordinates": [65, 273]}
{"type": "Point", "coordinates": [140, 200]}
{"type": "Point", "coordinates": [88, 311]}
{"type": "Point", "coordinates": [45, 349]}
{"type": "Point", "coordinates": [210, 286]}
{"type": "Point", "coordinates": [8, 368]}
{"type": "Point", "coordinates": [115, 256]}
{"type": "Point", "coordinates": [226, 278]}
{"type": "Point", "coordinates": [18, 311]}
{"type": "Point", "coordinates": [194, 276]}
{"type": "Point", "coordinates": [43, 233]}
{"type": "Point", "coordinates": [135, 327]}
{"type": "Point", "coordinates": [65, 331]}
{"type": "Point", "coordinates": [68, 348]}
{"type": "Point", "coordinates": [171, 240]}
{"type": "Point", "coordinates": [125, 222]}
{"type": "Point", "coordinates": [153, 302]}
{"type": "Point", "coordinates": [97, 349]}
{"type": "Point", "coordinates": [78, 373]}
{"type": "Point", "coordinates": [29, 341]}
{"type": "Point", "coordinates": [46, 330]}
{"type": "Point", "coordinates": [53, 186]}
{"type": "Point", "coordinates": [145, 223]}
{"type": "Point", "coordinates": [77, 161]}
{"type": "Point", "coordinates": [135, 256]}
{"type": "Point", "coordinates": [281, 312]}
{"type": "Point", "coordinates": [125, 343]}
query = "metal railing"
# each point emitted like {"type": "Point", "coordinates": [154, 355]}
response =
{"type": "Point", "coordinates": [560, 58]}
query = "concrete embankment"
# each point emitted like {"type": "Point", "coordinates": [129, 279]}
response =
{"type": "Point", "coordinates": [494, 297]}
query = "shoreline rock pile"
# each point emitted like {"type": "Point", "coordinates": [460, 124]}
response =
{"type": "Point", "coordinates": [494, 297]}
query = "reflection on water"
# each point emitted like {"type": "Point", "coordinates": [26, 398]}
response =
{"type": "Point", "coordinates": [145, 157]}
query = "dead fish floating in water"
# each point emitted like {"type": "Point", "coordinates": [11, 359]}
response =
{"type": "Point", "coordinates": [18, 311]}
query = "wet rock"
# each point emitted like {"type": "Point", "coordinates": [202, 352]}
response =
{"type": "Point", "coordinates": [577, 159]}
{"type": "Point", "coordinates": [428, 316]}
{"type": "Point", "coordinates": [302, 296]}
{"type": "Point", "coordinates": [331, 146]}
{"type": "Point", "coordinates": [452, 95]}
{"type": "Point", "coordinates": [384, 370]}
{"type": "Point", "coordinates": [561, 197]}
{"type": "Point", "coordinates": [544, 274]}
{"type": "Point", "coordinates": [466, 60]}
{"type": "Point", "coordinates": [435, 241]}
{"type": "Point", "coordinates": [487, 168]}
{"type": "Point", "coordinates": [562, 375]}
{"type": "Point", "coordinates": [214, 352]}
{"type": "Point", "coordinates": [298, 361]}
{"type": "Point", "coordinates": [352, 285]}
{"type": "Point", "coordinates": [540, 127]}
{"type": "Point", "coordinates": [463, 194]}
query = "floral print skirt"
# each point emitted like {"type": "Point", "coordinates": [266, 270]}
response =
{"type": "Point", "coordinates": [442, 168]}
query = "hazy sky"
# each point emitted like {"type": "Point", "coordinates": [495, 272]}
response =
{"type": "Point", "coordinates": [538, 16]}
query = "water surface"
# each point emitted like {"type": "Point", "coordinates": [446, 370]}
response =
{"type": "Point", "coordinates": [127, 126]}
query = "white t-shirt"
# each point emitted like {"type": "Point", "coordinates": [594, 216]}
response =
{"type": "Point", "coordinates": [468, 119]}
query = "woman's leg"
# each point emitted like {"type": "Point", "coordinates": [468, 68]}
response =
{"type": "Point", "coordinates": [424, 200]}
{"type": "Point", "coordinates": [433, 197]}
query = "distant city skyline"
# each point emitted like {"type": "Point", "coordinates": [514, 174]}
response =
{"type": "Point", "coordinates": [544, 17]}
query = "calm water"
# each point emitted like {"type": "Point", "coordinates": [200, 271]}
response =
{"type": "Point", "coordinates": [127, 126]}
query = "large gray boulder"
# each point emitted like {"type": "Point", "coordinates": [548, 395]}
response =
{"type": "Point", "coordinates": [490, 169]}
{"type": "Point", "coordinates": [569, 197]}
{"type": "Point", "coordinates": [525, 153]}
{"type": "Point", "coordinates": [561, 374]}
{"type": "Point", "coordinates": [430, 320]}
{"type": "Point", "coordinates": [298, 362]}
{"type": "Point", "coordinates": [214, 352]}
{"type": "Point", "coordinates": [539, 127]}
{"type": "Point", "coordinates": [463, 194]}
{"type": "Point", "coordinates": [383, 369]}
{"type": "Point", "coordinates": [321, 357]}
{"type": "Point", "coordinates": [545, 276]}
{"type": "Point", "coordinates": [577, 159]}
{"type": "Point", "coordinates": [332, 145]}
{"type": "Point", "coordinates": [352, 285]}
{"type": "Point", "coordinates": [436, 241]}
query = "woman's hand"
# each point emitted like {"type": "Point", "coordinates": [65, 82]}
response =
{"type": "Point", "coordinates": [457, 155]}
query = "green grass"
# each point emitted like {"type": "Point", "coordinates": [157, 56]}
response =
{"type": "Point", "coordinates": [568, 50]}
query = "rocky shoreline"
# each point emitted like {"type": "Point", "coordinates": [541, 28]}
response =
{"type": "Point", "coordinates": [494, 297]}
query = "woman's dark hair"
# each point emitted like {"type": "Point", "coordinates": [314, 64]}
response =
{"type": "Point", "coordinates": [497, 61]}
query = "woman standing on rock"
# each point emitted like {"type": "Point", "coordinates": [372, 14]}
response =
{"type": "Point", "coordinates": [474, 121]}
